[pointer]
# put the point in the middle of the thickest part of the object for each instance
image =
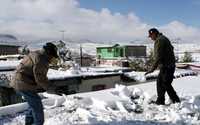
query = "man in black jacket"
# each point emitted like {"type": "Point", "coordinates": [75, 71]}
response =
{"type": "Point", "coordinates": [165, 61]}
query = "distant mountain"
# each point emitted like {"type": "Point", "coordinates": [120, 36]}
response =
{"type": "Point", "coordinates": [7, 38]}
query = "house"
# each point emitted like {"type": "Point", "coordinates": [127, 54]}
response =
{"type": "Point", "coordinates": [8, 44]}
{"type": "Point", "coordinates": [9, 49]}
{"type": "Point", "coordinates": [114, 54]}
{"type": "Point", "coordinates": [117, 51]}
{"type": "Point", "coordinates": [85, 60]}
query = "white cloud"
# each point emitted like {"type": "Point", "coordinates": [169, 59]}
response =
{"type": "Point", "coordinates": [43, 19]}
{"type": "Point", "coordinates": [179, 30]}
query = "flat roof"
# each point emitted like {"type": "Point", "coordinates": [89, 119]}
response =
{"type": "Point", "coordinates": [122, 46]}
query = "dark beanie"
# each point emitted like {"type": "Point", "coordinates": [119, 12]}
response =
{"type": "Point", "coordinates": [51, 49]}
{"type": "Point", "coordinates": [153, 30]}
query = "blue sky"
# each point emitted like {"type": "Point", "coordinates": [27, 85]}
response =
{"type": "Point", "coordinates": [100, 20]}
{"type": "Point", "coordinates": [155, 12]}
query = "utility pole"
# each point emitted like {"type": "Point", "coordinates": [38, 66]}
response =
{"type": "Point", "coordinates": [81, 56]}
{"type": "Point", "coordinates": [177, 52]}
{"type": "Point", "coordinates": [63, 34]}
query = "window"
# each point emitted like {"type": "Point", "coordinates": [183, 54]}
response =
{"type": "Point", "coordinates": [121, 53]}
{"type": "Point", "coordinates": [109, 49]}
{"type": "Point", "coordinates": [98, 50]}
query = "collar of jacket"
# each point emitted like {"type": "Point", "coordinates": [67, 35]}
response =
{"type": "Point", "coordinates": [158, 37]}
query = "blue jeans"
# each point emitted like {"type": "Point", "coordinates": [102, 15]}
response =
{"type": "Point", "coordinates": [35, 114]}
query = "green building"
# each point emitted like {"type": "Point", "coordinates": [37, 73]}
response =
{"type": "Point", "coordinates": [117, 51]}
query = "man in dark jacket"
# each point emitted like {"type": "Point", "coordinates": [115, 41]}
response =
{"type": "Point", "coordinates": [165, 61]}
{"type": "Point", "coordinates": [31, 75]}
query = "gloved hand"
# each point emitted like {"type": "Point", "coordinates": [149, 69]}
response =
{"type": "Point", "coordinates": [150, 71]}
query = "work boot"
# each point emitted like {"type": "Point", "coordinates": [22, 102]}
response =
{"type": "Point", "coordinates": [176, 101]}
{"type": "Point", "coordinates": [157, 103]}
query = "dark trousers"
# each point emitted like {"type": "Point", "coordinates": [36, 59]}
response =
{"type": "Point", "coordinates": [35, 114]}
{"type": "Point", "coordinates": [164, 84]}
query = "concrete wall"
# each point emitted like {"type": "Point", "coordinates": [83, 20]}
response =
{"type": "Point", "coordinates": [109, 82]}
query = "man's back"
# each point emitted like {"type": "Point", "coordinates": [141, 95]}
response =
{"type": "Point", "coordinates": [26, 72]}
{"type": "Point", "coordinates": [164, 51]}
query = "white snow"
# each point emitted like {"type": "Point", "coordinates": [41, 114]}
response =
{"type": "Point", "coordinates": [140, 76]}
{"type": "Point", "coordinates": [121, 106]}
{"type": "Point", "coordinates": [6, 65]}
{"type": "Point", "coordinates": [59, 74]}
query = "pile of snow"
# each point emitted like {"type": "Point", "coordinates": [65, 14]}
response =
{"type": "Point", "coordinates": [57, 74]}
{"type": "Point", "coordinates": [184, 72]}
{"type": "Point", "coordinates": [72, 72]}
{"type": "Point", "coordinates": [121, 106]}
{"type": "Point", "coordinates": [103, 69]}
{"type": "Point", "coordinates": [140, 76]}
{"type": "Point", "coordinates": [7, 65]}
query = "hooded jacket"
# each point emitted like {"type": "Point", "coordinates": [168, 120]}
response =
{"type": "Point", "coordinates": [31, 73]}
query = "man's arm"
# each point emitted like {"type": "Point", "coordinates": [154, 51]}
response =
{"type": "Point", "coordinates": [40, 75]}
{"type": "Point", "coordinates": [158, 53]}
